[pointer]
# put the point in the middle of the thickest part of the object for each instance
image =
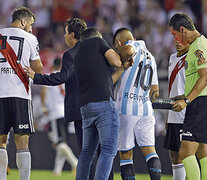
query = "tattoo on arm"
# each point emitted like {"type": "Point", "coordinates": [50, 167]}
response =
{"type": "Point", "coordinates": [154, 95]}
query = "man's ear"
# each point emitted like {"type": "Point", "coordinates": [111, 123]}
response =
{"type": "Point", "coordinates": [23, 22]}
{"type": "Point", "coordinates": [73, 34]}
{"type": "Point", "coordinates": [119, 42]}
{"type": "Point", "coordinates": [182, 29]}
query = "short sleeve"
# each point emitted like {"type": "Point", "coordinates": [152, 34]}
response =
{"type": "Point", "coordinates": [154, 76]}
{"type": "Point", "coordinates": [103, 45]}
{"type": "Point", "coordinates": [201, 58]}
{"type": "Point", "coordinates": [34, 48]}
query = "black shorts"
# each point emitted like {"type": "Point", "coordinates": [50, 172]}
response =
{"type": "Point", "coordinates": [57, 131]}
{"type": "Point", "coordinates": [195, 122]}
{"type": "Point", "coordinates": [16, 113]}
{"type": "Point", "coordinates": [172, 139]}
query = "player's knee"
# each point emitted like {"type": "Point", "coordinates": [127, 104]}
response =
{"type": "Point", "coordinates": [3, 141]}
{"type": "Point", "coordinates": [21, 141]}
{"type": "Point", "coordinates": [127, 170]}
{"type": "Point", "coordinates": [182, 154]}
{"type": "Point", "coordinates": [175, 158]}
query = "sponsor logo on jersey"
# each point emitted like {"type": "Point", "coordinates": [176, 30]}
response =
{"type": "Point", "coordinates": [23, 126]}
{"type": "Point", "coordinates": [201, 58]}
{"type": "Point", "coordinates": [135, 96]}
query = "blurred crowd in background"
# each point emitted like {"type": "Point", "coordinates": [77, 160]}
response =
{"type": "Point", "coordinates": [147, 19]}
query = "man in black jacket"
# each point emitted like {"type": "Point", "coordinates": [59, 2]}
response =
{"type": "Point", "coordinates": [73, 29]}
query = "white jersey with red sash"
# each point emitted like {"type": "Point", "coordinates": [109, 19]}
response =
{"type": "Point", "coordinates": [17, 48]}
{"type": "Point", "coordinates": [176, 76]}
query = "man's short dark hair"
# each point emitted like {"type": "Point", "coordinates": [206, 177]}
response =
{"type": "Point", "coordinates": [119, 31]}
{"type": "Point", "coordinates": [89, 33]}
{"type": "Point", "coordinates": [22, 12]}
{"type": "Point", "coordinates": [181, 19]}
{"type": "Point", "coordinates": [75, 25]}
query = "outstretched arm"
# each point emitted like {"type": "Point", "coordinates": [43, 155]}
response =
{"type": "Point", "coordinates": [113, 58]}
{"type": "Point", "coordinates": [116, 75]}
{"type": "Point", "coordinates": [36, 66]}
{"type": "Point", "coordinates": [57, 78]}
{"type": "Point", "coordinates": [201, 83]}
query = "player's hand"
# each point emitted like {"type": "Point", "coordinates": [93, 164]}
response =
{"type": "Point", "coordinates": [128, 63]}
{"type": "Point", "coordinates": [30, 73]}
{"type": "Point", "coordinates": [178, 105]}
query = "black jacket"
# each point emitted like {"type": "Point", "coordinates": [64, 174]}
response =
{"type": "Point", "coordinates": [68, 76]}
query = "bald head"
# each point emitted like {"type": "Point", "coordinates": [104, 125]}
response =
{"type": "Point", "coordinates": [121, 36]}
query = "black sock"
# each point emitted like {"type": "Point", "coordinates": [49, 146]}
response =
{"type": "Point", "coordinates": [127, 172]}
{"type": "Point", "coordinates": [154, 168]}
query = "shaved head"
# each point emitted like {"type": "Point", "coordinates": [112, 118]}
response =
{"type": "Point", "coordinates": [121, 36]}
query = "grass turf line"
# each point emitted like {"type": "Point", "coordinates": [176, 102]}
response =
{"type": "Point", "coordinates": [66, 175]}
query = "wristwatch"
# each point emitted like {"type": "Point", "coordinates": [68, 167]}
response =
{"type": "Point", "coordinates": [187, 101]}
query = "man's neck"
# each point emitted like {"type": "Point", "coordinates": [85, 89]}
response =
{"type": "Point", "coordinates": [193, 36]}
{"type": "Point", "coordinates": [180, 53]}
{"type": "Point", "coordinates": [16, 24]}
{"type": "Point", "coordinates": [73, 43]}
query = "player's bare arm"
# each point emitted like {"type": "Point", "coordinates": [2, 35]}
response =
{"type": "Point", "coordinates": [36, 66]}
{"type": "Point", "coordinates": [197, 89]}
{"type": "Point", "coordinates": [116, 75]}
{"type": "Point", "coordinates": [178, 97]}
{"type": "Point", "coordinates": [113, 58]}
{"type": "Point", "coordinates": [154, 92]}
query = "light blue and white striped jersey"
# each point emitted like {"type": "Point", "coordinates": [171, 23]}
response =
{"type": "Point", "coordinates": [133, 87]}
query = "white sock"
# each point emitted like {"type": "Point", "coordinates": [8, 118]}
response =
{"type": "Point", "coordinates": [59, 162]}
{"type": "Point", "coordinates": [3, 163]}
{"type": "Point", "coordinates": [23, 160]}
{"type": "Point", "coordinates": [178, 172]}
{"type": "Point", "coordinates": [64, 149]}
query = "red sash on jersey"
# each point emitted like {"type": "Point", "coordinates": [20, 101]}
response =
{"type": "Point", "coordinates": [11, 57]}
{"type": "Point", "coordinates": [175, 71]}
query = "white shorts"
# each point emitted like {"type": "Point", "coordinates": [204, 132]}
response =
{"type": "Point", "coordinates": [139, 128]}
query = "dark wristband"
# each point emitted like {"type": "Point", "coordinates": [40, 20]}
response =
{"type": "Point", "coordinates": [187, 101]}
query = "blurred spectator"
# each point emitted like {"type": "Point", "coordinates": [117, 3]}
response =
{"type": "Point", "coordinates": [42, 10]}
{"type": "Point", "coordinates": [62, 10]}
{"type": "Point", "coordinates": [107, 8]}
{"type": "Point", "coordinates": [102, 24]}
{"type": "Point", "coordinates": [133, 13]}
{"type": "Point", "coordinates": [6, 9]}
{"type": "Point", "coordinates": [181, 7]}
{"type": "Point", "coordinates": [204, 16]}
{"type": "Point", "coordinates": [88, 11]}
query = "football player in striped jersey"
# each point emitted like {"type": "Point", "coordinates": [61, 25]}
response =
{"type": "Point", "coordinates": [135, 90]}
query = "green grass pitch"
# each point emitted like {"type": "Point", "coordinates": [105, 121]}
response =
{"type": "Point", "coordinates": [66, 175]}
